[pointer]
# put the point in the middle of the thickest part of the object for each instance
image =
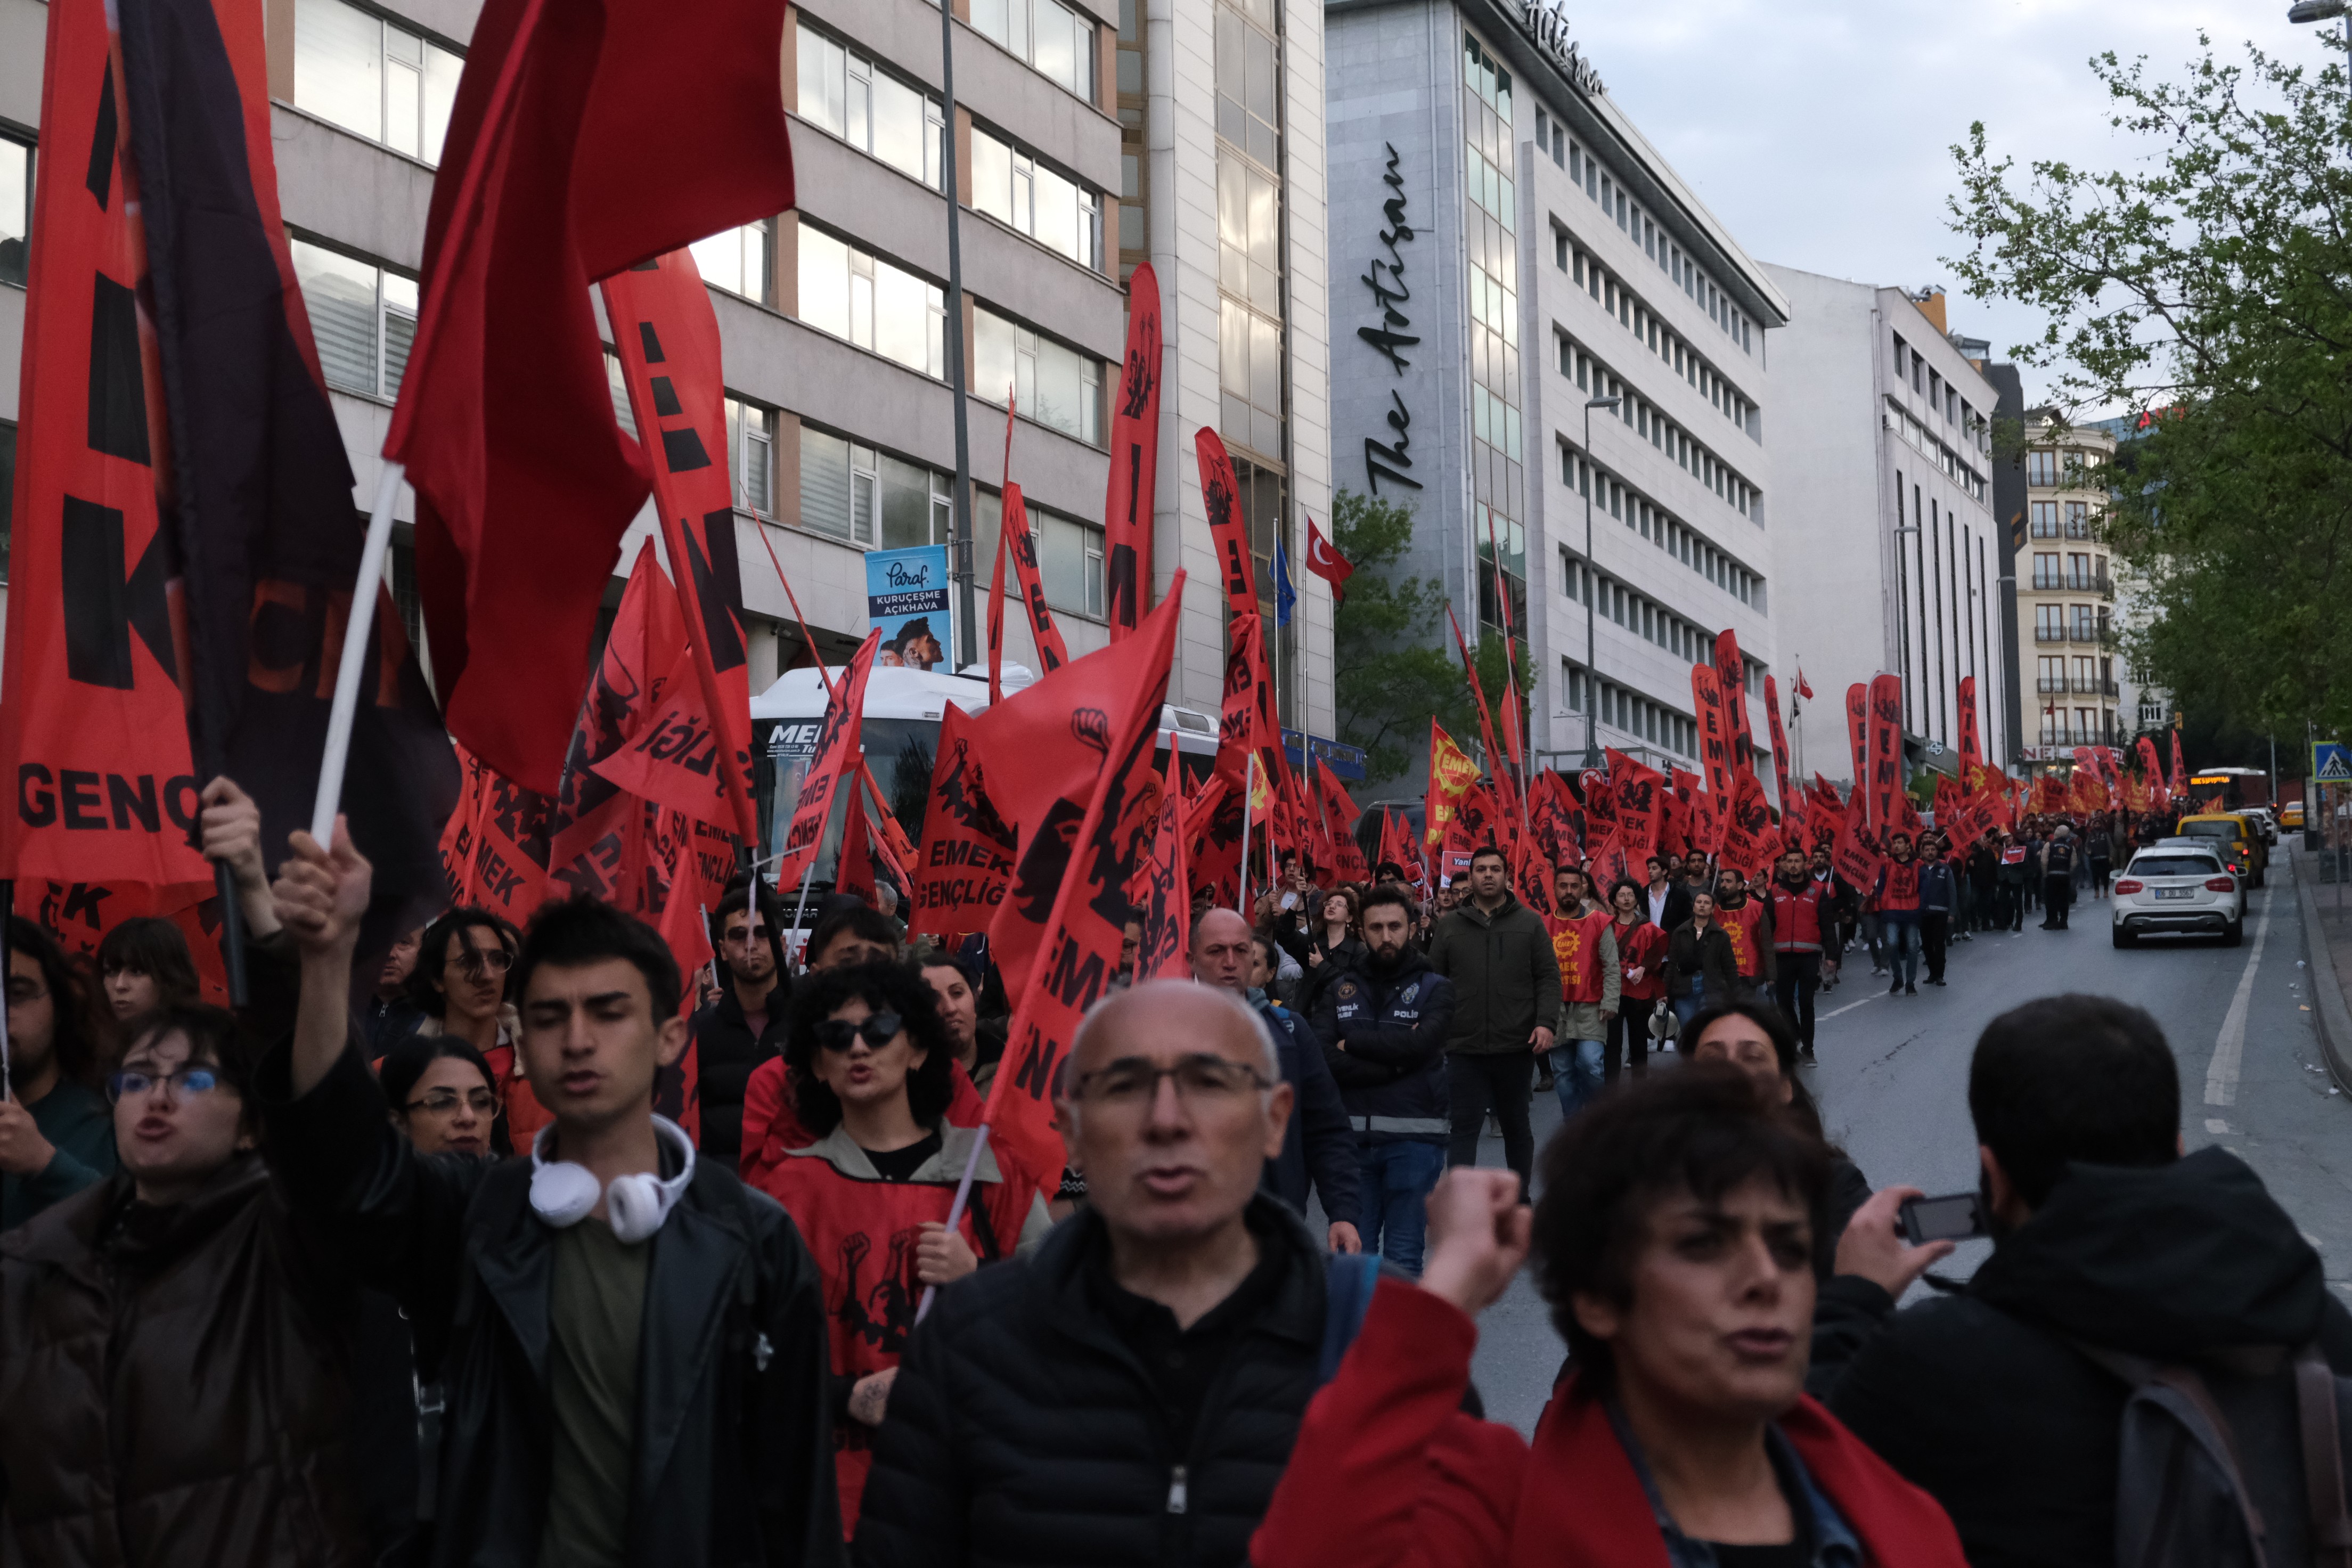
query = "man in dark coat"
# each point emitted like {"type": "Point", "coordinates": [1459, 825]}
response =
{"type": "Point", "coordinates": [744, 1024]}
{"type": "Point", "coordinates": [1506, 997]}
{"type": "Point", "coordinates": [1130, 1392]}
{"type": "Point", "coordinates": [632, 1344]}
{"type": "Point", "coordinates": [2102, 1236]}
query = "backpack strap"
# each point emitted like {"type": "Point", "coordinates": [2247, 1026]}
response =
{"type": "Point", "coordinates": [2323, 1459]}
{"type": "Point", "coordinates": [2138, 1372]}
{"type": "Point", "coordinates": [1348, 1280]}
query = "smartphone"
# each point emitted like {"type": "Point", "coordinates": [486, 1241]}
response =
{"type": "Point", "coordinates": [1959, 1218]}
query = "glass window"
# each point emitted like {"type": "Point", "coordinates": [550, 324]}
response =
{"type": "Point", "coordinates": [1056, 386]}
{"type": "Point", "coordinates": [7, 493]}
{"type": "Point", "coordinates": [362, 317]}
{"type": "Point", "coordinates": [906, 504]}
{"type": "Point", "coordinates": [751, 453]}
{"type": "Point", "coordinates": [843, 92]}
{"type": "Point", "coordinates": [872, 303]}
{"type": "Point", "coordinates": [737, 259]}
{"type": "Point", "coordinates": [838, 487]}
{"type": "Point", "coordinates": [15, 209]}
{"type": "Point", "coordinates": [1058, 41]}
{"type": "Point", "coordinates": [373, 78]}
{"type": "Point", "coordinates": [1016, 190]}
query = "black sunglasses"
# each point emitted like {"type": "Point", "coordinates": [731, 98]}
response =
{"type": "Point", "coordinates": [839, 1034]}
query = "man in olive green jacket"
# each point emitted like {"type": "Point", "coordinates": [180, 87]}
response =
{"type": "Point", "coordinates": [1506, 996]}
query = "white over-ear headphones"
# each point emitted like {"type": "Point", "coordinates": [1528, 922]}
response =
{"type": "Point", "coordinates": [563, 1194]}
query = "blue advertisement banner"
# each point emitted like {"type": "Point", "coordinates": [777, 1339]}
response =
{"type": "Point", "coordinates": [906, 597]}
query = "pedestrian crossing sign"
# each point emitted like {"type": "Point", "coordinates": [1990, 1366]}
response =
{"type": "Point", "coordinates": [2331, 761]}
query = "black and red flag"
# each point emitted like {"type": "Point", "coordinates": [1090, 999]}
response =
{"type": "Point", "coordinates": [1134, 462]}
{"type": "Point", "coordinates": [525, 482]}
{"type": "Point", "coordinates": [1885, 734]}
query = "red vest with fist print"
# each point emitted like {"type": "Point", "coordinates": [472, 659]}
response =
{"type": "Point", "coordinates": [1577, 944]}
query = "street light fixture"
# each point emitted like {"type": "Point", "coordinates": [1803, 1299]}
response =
{"type": "Point", "coordinates": [2304, 11]}
{"type": "Point", "coordinates": [1592, 673]}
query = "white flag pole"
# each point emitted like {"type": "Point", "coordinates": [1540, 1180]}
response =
{"type": "Point", "coordinates": [355, 662]}
{"type": "Point", "coordinates": [1249, 788]}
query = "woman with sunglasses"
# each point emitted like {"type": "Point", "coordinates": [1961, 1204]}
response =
{"type": "Point", "coordinates": [171, 1363]}
{"type": "Point", "coordinates": [867, 1062]}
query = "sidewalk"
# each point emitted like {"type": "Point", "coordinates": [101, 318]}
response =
{"type": "Point", "coordinates": [2326, 910]}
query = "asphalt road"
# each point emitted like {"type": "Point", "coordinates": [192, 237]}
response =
{"type": "Point", "coordinates": [1892, 1083]}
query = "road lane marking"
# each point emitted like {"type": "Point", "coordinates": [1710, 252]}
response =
{"type": "Point", "coordinates": [1847, 1009]}
{"type": "Point", "coordinates": [2228, 1052]}
{"type": "Point", "coordinates": [2215, 1124]}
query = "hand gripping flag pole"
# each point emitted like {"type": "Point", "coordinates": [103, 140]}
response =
{"type": "Point", "coordinates": [356, 633]}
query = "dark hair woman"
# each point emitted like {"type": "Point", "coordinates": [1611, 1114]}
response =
{"type": "Point", "coordinates": [868, 1061]}
{"type": "Point", "coordinates": [444, 1096]}
{"type": "Point", "coordinates": [1674, 1241]}
{"type": "Point", "coordinates": [173, 1363]}
{"type": "Point", "coordinates": [56, 1135]}
{"type": "Point", "coordinates": [1642, 980]}
{"type": "Point", "coordinates": [145, 966]}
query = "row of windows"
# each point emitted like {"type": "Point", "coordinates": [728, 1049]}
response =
{"type": "Point", "coordinates": [2046, 466]}
{"type": "Point", "coordinates": [1941, 395]}
{"type": "Point", "coordinates": [1251, 369]}
{"type": "Point", "coordinates": [1057, 387]}
{"type": "Point", "coordinates": [1591, 376]}
{"type": "Point", "coordinates": [2080, 623]}
{"type": "Point", "coordinates": [2080, 571]}
{"type": "Point", "coordinates": [363, 316]}
{"type": "Point", "coordinates": [1643, 616]}
{"type": "Point", "coordinates": [1924, 442]}
{"type": "Point", "coordinates": [842, 91]}
{"type": "Point", "coordinates": [1057, 41]}
{"type": "Point", "coordinates": [856, 295]}
{"type": "Point", "coordinates": [2045, 525]}
{"type": "Point", "coordinates": [1647, 329]}
{"type": "Point", "coordinates": [1654, 523]}
{"type": "Point", "coordinates": [373, 78]}
{"type": "Point", "coordinates": [1016, 190]}
{"type": "Point", "coordinates": [1642, 230]}
{"type": "Point", "coordinates": [1631, 711]}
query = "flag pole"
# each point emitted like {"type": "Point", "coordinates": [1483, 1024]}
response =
{"type": "Point", "coordinates": [1249, 788]}
{"type": "Point", "coordinates": [356, 632]}
{"type": "Point", "coordinates": [955, 1210]}
{"type": "Point", "coordinates": [8, 905]}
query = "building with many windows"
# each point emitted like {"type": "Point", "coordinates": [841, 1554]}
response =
{"type": "Point", "coordinates": [1889, 554]}
{"type": "Point", "coordinates": [2070, 664]}
{"type": "Point", "coordinates": [1508, 247]}
{"type": "Point", "coordinates": [1085, 138]}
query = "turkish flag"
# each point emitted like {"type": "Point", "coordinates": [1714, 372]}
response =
{"type": "Point", "coordinates": [567, 158]}
{"type": "Point", "coordinates": [1804, 688]}
{"type": "Point", "coordinates": [1081, 935]}
{"type": "Point", "coordinates": [1326, 563]}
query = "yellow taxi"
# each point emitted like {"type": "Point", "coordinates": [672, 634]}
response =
{"type": "Point", "coordinates": [2240, 842]}
{"type": "Point", "coordinates": [2291, 818]}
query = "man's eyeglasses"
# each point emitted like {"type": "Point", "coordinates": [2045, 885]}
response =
{"type": "Point", "coordinates": [1202, 1079]}
{"type": "Point", "coordinates": [445, 1102]}
{"type": "Point", "coordinates": [839, 1034]}
{"type": "Point", "coordinates": [476, 960]}
{"type": "Point", "coordinates": [186, 1081]}
{"type": "Point", "coordinates": [24, 991]}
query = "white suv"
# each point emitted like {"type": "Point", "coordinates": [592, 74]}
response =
{"type": "Point", "coordinates": [2178, 890]}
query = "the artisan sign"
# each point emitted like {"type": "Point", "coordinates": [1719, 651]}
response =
{"type": "Point", "coordinates": [1387, 460]}
{"type": "Point", "coordinates": [1548, 26]}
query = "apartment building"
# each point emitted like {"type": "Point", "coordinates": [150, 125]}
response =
{"type": "Point", "coordinates": [1888, 548]}
{"type": "Point", "coordinates": [1509, 248]}
{"type": "Point", "coordinates": [1082, 140]}
{"type": "Point", "coordinates": [2067, 618]}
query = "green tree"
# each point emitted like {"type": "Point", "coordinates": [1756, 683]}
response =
{"type": "Point", "coordinates": [2210, 286]}
{"type": "Point", "coordinates": [1395, 661]}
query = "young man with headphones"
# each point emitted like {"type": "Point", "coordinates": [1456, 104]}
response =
{"type": "Point", "coordinates": [633, 1343]}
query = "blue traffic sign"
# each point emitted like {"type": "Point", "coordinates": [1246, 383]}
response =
{"type": "Point", "coordinates": [2331, 761]}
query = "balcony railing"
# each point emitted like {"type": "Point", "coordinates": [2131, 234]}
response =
{"type": "Point", "coordinates": [2072, 582]}
{"type": "Point", "coordinates": [2079, 528]}
{"type": "Point", "coordinates": [2078, 735]}
{"type": "Point", "coordinates": [2047, 634]}
{"type": "Point", "coordinates": [2084, 686]}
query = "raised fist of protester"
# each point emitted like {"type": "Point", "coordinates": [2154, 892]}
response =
{"type": "Point", "coordinates": [321, 893]}
{"type": "Point", "coordinates": [22, 1151]}
{"type": "Point", "coordinates": [1872, 1245]}
{"type": "Point", "coordinates": [942, 1256]}
{"type": "Point", "coordinates": [231, 825]}
{"type": "Point", "coordinates": [1479, 1236]}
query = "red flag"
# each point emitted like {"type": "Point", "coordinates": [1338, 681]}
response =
{"type": "Point", "coordinates": [1212, 840]}
{"type": "Point", "coordinates": [1531, 876]}
{"type": "Point", "coordinates": [1852, 857]}
{"type": "Point", "coordinates": [1780, 746]}
{"type": "Point", "coordinates": [1134, 462]}
{"type": "Point", "coordinates": [1326, 563]}
{"type": "Point", "coordinates": [92, 724]}
{"type": "Point", "coordinates": [1451, 774]}
{"type": "Point", "coordinates": [525, 483]}
{"type": "Point", "coordinates": [995, 590]}
{"type": "Point", "coordinates": [1824, 812]}
{"type": "Point", "coordinates": [1086, 924]}
{"type": "Point", "coordinates": [1857, 731]}
{"type": "Point", "coordinates": [1804, 689]}
{"type": "Point", "coordinates": [835, 757]}
{"type": "Point", "coordinates": [1971, 739]}
{"type": "Point", "coordinates": [497, 847]}
{"type": "Point", "coordinates": [1749, 844]}
{"type": "Point", "coordinates": [2154, 772]}
{"type": "Point", "coordinates": [2179, 783]}
{"type": "Point", "coordinates": [1486, 720]}
{"type": "Point", "coordinates": [966, 862]}
{"type": "Point", "coordinates": [81, 914]}
{"type": "Point", "coordinates": [1014, 534]}
{"type": "Point", "coordinates": [1558, 819]}
{"type": "Point", "coordinates": [1607, 866]}
{"type": "Point", "coordinates": [1718, 740]}
{"type": "Point", "coordinates": [1634, 788]}
{"type": "Point", "coordinates": [853, 869]}
{"type": "Point", "coordinates": [1247, 724]}
{"type": "Point", "coordinates": [1228, 527]}
{"type": "Point", "coordinates": [666, 336]}
{"type": "Point", "coordinates": [1885, 735]}
{"type": "Point", "coordinates": [1162, 901]}
{"type": "Point", "coordinates": [1732, 691]}
{"type": "Point", "coordinates": [1044, 749]}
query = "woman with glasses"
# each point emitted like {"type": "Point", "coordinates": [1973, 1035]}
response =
{"type": "Point", "coordinates": [171, 1364]}
{"type": "Point", "coordinates": [443, 1097]}
{"type": "Point", "coordinates": [57, 1134]}
{"type": "Point", "coordinates": [866, 1060]}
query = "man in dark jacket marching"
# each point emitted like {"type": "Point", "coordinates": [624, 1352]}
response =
{"type": "Point", "coordinates": [1383, 1029]}
{"type": "Point", "coordinates": [744, 1024]}
{"type": "Point", "coordinates": [1131, 1392]}
{"type": "Point", "coordinates": [1507, 999]}
{"type": "Point", "coordinates": [632, 1344]}
{"type": "Point", "coordinates": [2104, 1239]}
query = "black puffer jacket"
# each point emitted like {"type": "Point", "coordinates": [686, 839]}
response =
{"type": "Point", "coordinates": [1978, 1398]}
{"type": "Point", "coordinates": [1023, 1433]}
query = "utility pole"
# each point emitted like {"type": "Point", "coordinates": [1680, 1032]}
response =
{"type": "Point", "coordinates": [967, 600]}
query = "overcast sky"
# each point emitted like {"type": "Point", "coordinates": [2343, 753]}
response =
{"type": "Point", "coordinates": [1820, 130]}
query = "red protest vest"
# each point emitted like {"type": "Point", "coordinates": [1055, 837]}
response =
{"type": "Point", "coordinates": [862, 1233]}
{"type": "Point", "coordinates": [1642, 946]}
{"type": "Point", "coordinates": [1739, 925]}
{"type": "Point", "coordinates": [1898, 894]}
{"type": "Point", "coordinates": [1797, 918]}
{"type": "Point", "coordinates": [1577, 944]}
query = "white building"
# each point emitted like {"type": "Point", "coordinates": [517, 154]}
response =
{"type": "Point", "coordinates": [1506, 246]}
{"type": "Point", "coordinates": [1886, 551]}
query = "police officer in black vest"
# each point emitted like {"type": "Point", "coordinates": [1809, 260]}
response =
{"type": "Point", "coordinates": [2057, 877]}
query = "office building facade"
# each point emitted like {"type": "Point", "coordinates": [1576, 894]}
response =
{"type": "Point", "coordinates": [1506, 247]}
{"type": "Point", "coordinates": [2068, 655]}
{"type": "Point", "coordinates": [1888, 547]}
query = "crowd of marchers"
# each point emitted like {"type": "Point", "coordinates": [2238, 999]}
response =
{"type": "Point", "coordinates": [412, 1267]}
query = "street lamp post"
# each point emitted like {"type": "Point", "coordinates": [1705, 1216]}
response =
{"type": "Point", "coordinates": [962, 566]}
{"type": "Point", "coordinates": [1591, 669]}
{"type": "Point", "coordinates": [1903, 635]}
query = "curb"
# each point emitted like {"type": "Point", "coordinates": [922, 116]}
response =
{"type": "Point", "coordinates": [2333, 1015]}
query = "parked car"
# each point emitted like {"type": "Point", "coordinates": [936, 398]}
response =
{"type": "Point", "coordinates": [2180, 886]}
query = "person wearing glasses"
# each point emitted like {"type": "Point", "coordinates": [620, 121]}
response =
{"type": "Point", "coordinates": [56, 1135]}
{"type": "Point", "coordinates": [459, 983]}
{"type": "Point", "coordinates": [444, 1096]}
{"type": "Point", "coordinates": [172, 1367]}
{"type": "Point", "coordinates": [868, 1058]}
{"type": "Point", "coordinates": [1130, 1391]}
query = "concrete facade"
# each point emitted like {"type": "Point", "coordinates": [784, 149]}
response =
{"type": "Point", "coordinates": [1887, 542]}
